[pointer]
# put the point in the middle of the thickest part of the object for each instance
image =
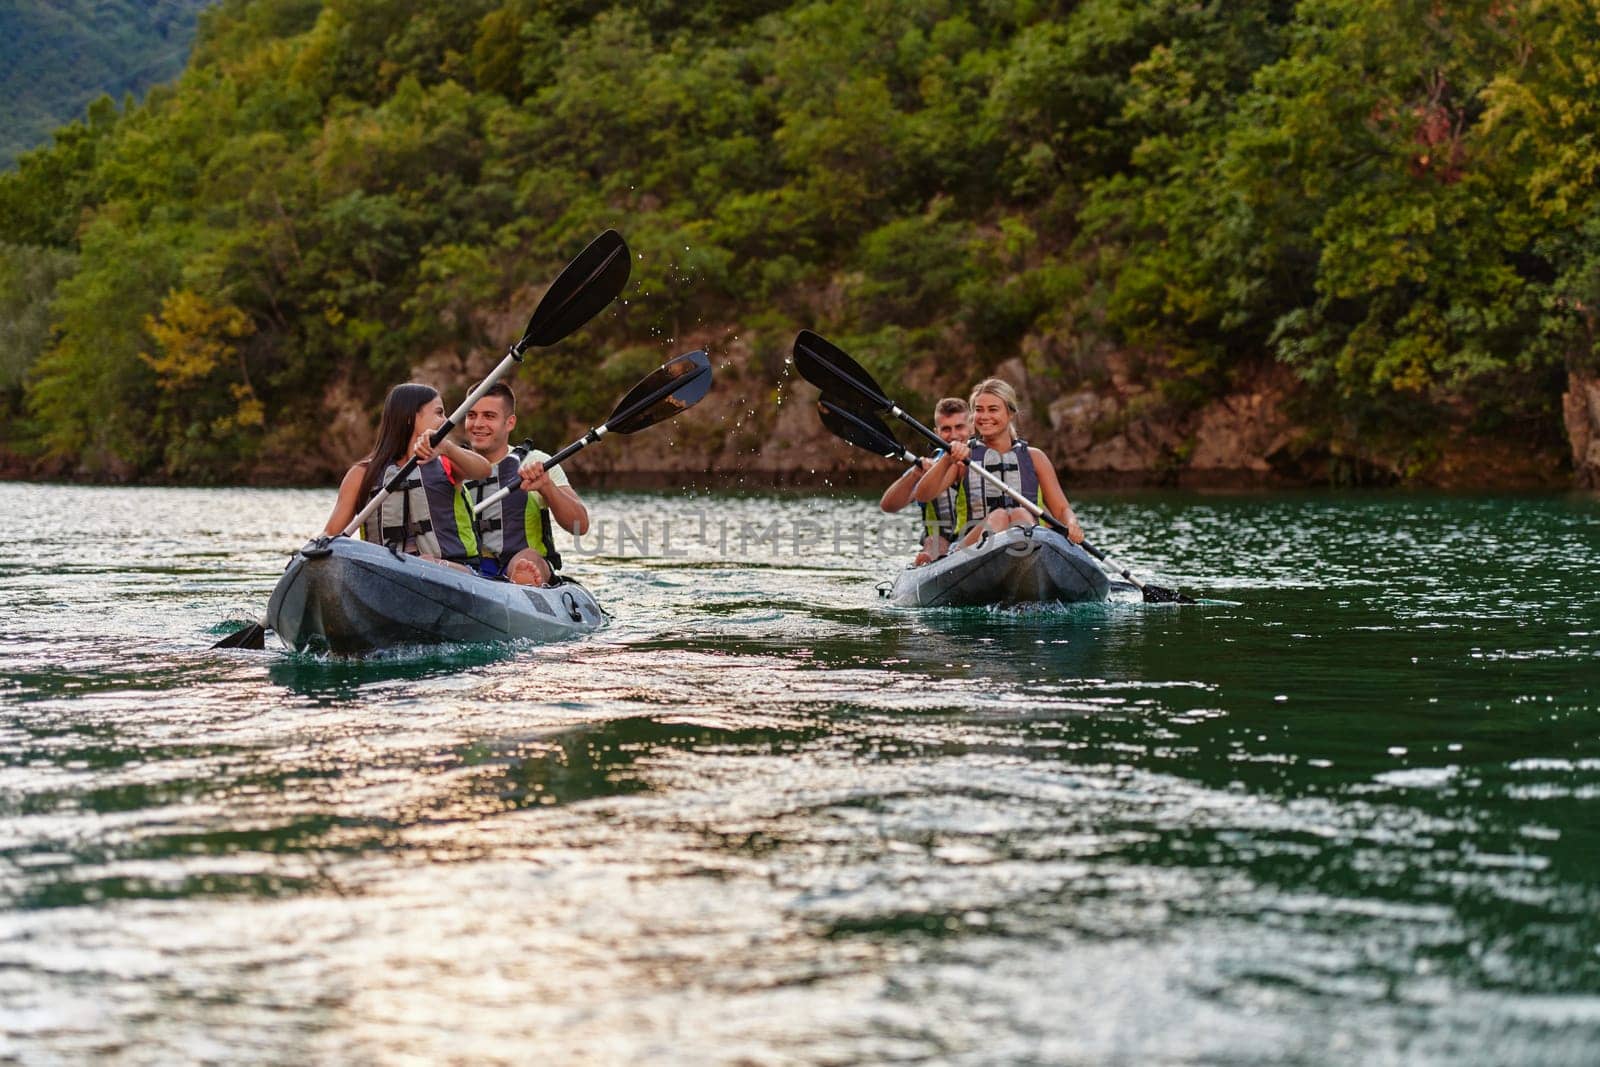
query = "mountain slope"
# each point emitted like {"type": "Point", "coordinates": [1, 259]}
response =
{"type": "Point", "coordinates": [58, 55]}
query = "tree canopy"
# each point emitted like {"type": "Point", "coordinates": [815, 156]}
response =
{"type": "Point", "coordinates": [56, 57]}
{"type": "Point", "coordinates": [1394, 199]}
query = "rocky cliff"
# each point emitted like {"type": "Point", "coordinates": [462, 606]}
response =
{"type": "Point", "coordinates": [1581, 406]}
{"type": "Point", "coordinates": [758, 430]}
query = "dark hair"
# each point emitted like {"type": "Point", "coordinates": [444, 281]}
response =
{"type": "Point", "coordinates": [394, 431]}
{"type": "Point", "coordinates": [950, 405]}
{"type": "Point", "coordinates": [502, 389]}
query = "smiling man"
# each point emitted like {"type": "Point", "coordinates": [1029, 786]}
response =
{"type": "Point", "coordinates": [514, 536]}
{"type": "Point", "coordinates": [940, 521]}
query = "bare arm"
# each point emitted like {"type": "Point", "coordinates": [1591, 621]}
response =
{"type": "Point", "coordinates": [567, 509]}
{"type": "Point", "coordinates": [1055, 498]}
{"type": "Point", "coordinates": [348, 502]}
{"type": "Point", "coordinates": [562, 500]}
{"type": "Point", "coordinates": [898, 495]}
{"type": "Point", "coordinates": [943, 474]}
{"type": "Point", "coordinates": [469, 463]}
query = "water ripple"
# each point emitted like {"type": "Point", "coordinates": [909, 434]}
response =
{"type": "Point", "coordinates": [1344, 811]}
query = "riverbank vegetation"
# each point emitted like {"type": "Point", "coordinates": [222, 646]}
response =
{"type": "Point", "coordinates": [1393, 200]}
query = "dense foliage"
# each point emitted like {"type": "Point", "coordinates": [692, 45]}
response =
{"type": "Point", "coordinates": [1394, 198]}
{"type": "Point", "coordinates": [56, 57]}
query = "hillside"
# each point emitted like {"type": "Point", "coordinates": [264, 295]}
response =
{"type": "Point", "coordinates": [56, 57]}
{"type": "Point", "coordinates": [1334, 241]}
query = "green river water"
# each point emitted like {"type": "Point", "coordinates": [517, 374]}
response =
{"type": "Point", "coordinates": [1348, 812]}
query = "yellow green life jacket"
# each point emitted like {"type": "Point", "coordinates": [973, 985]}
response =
{"type": "Point", "coordinates": [518, 520]}
{"type": "Point", "coordinates": [946, 514]}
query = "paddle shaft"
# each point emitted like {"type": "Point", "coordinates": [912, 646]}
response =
{"type": "Point", "coordinates": [550, 464]}
{"type": "Point", "coordinates": [675, 386]}
{"type": "Point", "coordinates": [512, 356]}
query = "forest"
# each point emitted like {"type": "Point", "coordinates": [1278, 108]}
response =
{"type": "Point", "coordinates": [57, 56]}
{"type": "Point", "coordinates": [1388, 205]}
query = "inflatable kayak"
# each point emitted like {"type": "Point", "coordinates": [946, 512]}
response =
{"type": "Point", "coordinates": [349, 597]}
{"type": "Point", "coordinates": [1022, 565]}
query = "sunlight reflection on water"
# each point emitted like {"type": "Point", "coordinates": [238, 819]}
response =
{"type": "Point", "coordinates": [762, 816]}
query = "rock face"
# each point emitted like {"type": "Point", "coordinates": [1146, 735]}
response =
{"type": "Point", "coordinates": [753, 430]}
{"type": "Point", "coordinates": [1123, 433]}
{"type": "Point", "coordinates": [1241, 433]}
{"type": "Point", "coordinates": [1581, 406]}
{"type": "Point", "coordinates": [758, 429]}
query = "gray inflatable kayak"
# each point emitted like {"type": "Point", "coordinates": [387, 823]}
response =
{"type": "Point", "coordinates": [349, 597]}
{"type": "Point", "coordinates": [1022, 565]}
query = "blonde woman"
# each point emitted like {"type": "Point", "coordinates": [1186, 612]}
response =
{"type": "Point", "coordinates": [996, 447]}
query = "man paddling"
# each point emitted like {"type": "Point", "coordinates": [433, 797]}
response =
{"type": "Point", "coordinates": [953, 421]}
{"type": "Point", "coordinates": [514, 535]}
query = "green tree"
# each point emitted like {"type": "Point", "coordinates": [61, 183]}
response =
{"type": "Point", "coordinates": [90, 391]}
{"type": "Point", "coordinates": [29, 276]}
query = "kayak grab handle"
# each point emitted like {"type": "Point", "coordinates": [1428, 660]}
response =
{"type": "Point", "coordinates": [317, 547]}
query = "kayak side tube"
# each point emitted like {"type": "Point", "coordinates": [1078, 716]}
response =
{"type": "Point", "coordinates": [349, 597]}
{"type": "Point", "coordinates": [1020, 565]}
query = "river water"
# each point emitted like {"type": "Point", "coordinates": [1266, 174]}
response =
{"type": "Point", "coordinates": [1346, 811]}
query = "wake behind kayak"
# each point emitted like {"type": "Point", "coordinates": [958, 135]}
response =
{"type": "Point", "coordinates": [349, 597]}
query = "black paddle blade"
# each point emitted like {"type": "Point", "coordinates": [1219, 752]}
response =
{"type": "Point", "coordinates": [864, 430]}
{"type": "Point", "coordinates": [829, 368]}
{"type": "Point", "coordinates": [253, 636]}
{"type": "Point", "coordinates": [677, 385]}
{"type": "Point", "coordinates": [1157, 594]}
{"type": "Point", "coordinates": [1153, 594]}
{"type": "Point", "coordinates": [581, 291]}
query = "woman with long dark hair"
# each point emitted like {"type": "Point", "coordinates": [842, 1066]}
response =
{"type": "Point", "coordinates": [428, 516]}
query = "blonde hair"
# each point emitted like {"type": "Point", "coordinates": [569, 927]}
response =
{"type": "Point", "coordinates": [1000, 388]}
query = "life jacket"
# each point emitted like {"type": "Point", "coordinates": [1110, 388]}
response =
{"type": "Point", "coordinates": [519, 520]}
{"type": "Point", "coordinates": [945, 514]}
{"type": "Point", "coordinates": [939, 515]}
{"type": "Point", "coordinates": [426, 516]}
{"type": "Point", "coordinates": [1015, 468]}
